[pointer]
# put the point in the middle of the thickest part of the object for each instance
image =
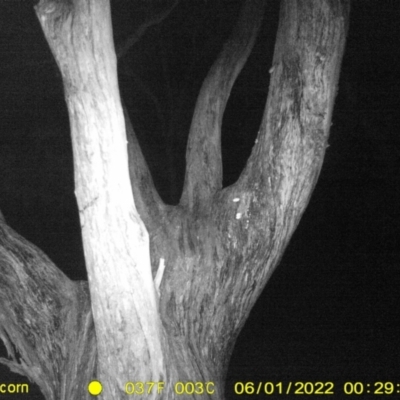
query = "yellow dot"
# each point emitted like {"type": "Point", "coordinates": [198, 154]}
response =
{"type": "Point", "coordinates": [95, 388]}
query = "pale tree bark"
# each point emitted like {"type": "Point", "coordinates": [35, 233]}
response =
{"type": "Point", "coordinates": [219, 246]}
{"type": "Point", "coordinates": [115, 241]}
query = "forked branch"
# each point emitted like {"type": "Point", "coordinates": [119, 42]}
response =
{"type": "Point", "coordinates": [203, 155]}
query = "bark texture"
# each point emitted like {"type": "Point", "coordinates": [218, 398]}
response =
{"type": "Point", "coordinates": [220, 246]}
{"type": "Point", "coordinates": [46, 321]}
{"type": "Point", "coordinates": [115, 241]}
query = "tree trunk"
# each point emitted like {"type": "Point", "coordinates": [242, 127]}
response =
{"type": "Point", "coordinates": [115, 241]}
{"type": "Point", "coordinates": [219, 246]}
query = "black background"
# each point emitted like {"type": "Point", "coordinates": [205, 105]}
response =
{"type": "Point", "coordinates": [330, 311]}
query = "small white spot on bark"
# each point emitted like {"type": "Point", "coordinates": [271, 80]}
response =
{"type": "Point", "coordinates": [82, 219]}
{"type": "Point", "coordinates": [236, 199]}
{"type": "Point", "coordinates": [238, 215]}
{"type": "Point", "coordinates": [159, 276]}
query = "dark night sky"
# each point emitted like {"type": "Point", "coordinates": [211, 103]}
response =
{"type": "Point", "coordinates": [330, 311]}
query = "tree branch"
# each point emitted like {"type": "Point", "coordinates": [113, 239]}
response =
{"type": "Point", "coordinates": [45, 321]}
{"type": "Point", "coordinates": [136, 36]}
{"type": "Point", "coordinates": [226, 254]}
{"type": "Point", "coordinates": [147, 200]}
{"type": "Point", "coordinates": [264, 207]}
{"type": "Point", "coordinates": [203, 156]}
